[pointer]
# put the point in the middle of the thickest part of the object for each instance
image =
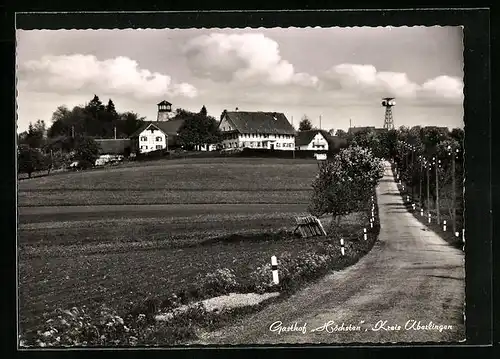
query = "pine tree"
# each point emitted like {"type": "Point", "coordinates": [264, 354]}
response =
{"type": "Point", "coordinates": [203, 111]}
{"type": "Point", "coordinates": [110, 108]}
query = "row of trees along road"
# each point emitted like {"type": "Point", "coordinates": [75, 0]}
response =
{"type": "Point", "coordinates": [70, 137]}
{"type": "Point", "coordinates": [431, 165]}
{"type": "Point", "coordinates": [429, 161]}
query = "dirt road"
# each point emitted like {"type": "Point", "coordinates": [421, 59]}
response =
{"type": "Point", "coordinates": [409, 288]}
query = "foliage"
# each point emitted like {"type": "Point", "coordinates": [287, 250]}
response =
{"type": "Point", "coordinates": [29, 160]}
{"type": "Point", "coordinates": [86, 150]}
{"type": "Point", "coordinates": [221, 281]}
{"type": "Point", "coordinates": [35, 136]}
{"type": "Point", "coordinates": [305, 124]}
{"type": "Point", "coordinates": [344, 184]}
{"type": "Point", "coordinates": [95, 120]}
{"type": "Point", "coordinates": [341, 133]}
{"type": "Point", "coordinates": [197, 129]}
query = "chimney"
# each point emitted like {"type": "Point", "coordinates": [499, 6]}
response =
{"type": "Point", "coordinates": [236, 109]}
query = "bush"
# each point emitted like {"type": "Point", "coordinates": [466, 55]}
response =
{"type": "Point", "coordinates": [222, 281]}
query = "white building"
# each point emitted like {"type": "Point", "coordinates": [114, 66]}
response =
{"type": "Point", "coordinates": [259, 130]}
{"type": "Point", "coordinates": [312, 140]}
{"type": "Point", "coordinates": [156, 135]}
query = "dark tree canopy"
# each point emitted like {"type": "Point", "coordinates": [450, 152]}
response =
{"type": "Point", "coordinates": [197, 129]}
{"type": "Point", "coordinates": [305, 124]}
{"type": "Point", "coordinates": [94, 120]}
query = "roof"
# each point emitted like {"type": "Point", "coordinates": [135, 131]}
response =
{"type": "Point", "coordinates": [167, 127]}
{"type": "Point", "coordinates": [359, 129]}
{"type": "Point", "coordinates": [112, 146]}
{"type": "Point", "coordinates": [260, 122]}
{"type": "Point", "coordinates": [305, 137]}
{"type": "Point", "coordinates": [164, 102]}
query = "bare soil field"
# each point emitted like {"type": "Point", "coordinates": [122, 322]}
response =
{"type": "Point", "coordinates": [121, 235]}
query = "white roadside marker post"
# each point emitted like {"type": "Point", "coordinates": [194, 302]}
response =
{"type": "Point", "coordinates": [342, 249]}
{"type": "Point", "coordinates": [421, 212]}
{"type": "Point", "coordinates": [407, 198]}
{"type": "Point", "coordinates": [457, 234]}
{"type": "Point", "coordinates": [413, 206]}
{"type": "Point", "coordinates": [371, 222]}
{"type": "Point", "coordinates": [444, 225]}
{"type": "Point", "coordinates": [274, 268]}
{"type": "Point", "coordinates": [429, 217]}
{"type": "Point", "coordinates": [365, 236]}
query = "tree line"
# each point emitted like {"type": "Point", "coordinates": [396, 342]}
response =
{"type": "Point", "coordinates": [70, 136]}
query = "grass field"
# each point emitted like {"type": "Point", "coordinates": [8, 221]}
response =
{"type": "Point", "coordinates": [122, 235]}
{"type": "Point", "coordinates": [212, 180]}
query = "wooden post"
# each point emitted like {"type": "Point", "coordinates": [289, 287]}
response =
{"type": "Point", "coordinates": [274, 268]}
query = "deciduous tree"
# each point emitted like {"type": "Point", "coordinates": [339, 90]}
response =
{"type": "Point", "coordinates": [345, 183]}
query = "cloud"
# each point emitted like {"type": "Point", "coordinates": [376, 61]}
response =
{"type": "Point", "coordinates": [120, 76]}
{"type": "Point", "coordinates": [246, 58]}
{"type": "Point", "coordinates": [366, 80]}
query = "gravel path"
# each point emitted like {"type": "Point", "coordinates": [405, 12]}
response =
{"type": "Point", "coordinates": [409, 288]}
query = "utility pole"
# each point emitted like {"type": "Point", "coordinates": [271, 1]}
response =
{"type": "Point", "coordinates": [437, 192]}
{"type": "Point", "coordinates": [427, 167]}
{"type": "Point", "coordinates": [320, 122]}
{"type": "Point", "coordinates": [454, 193]}
{"type": "Point", "coordinates": [412, 172]}
{"type": "Point", "coordinates": [420, 185]}
{"type": "Point", "coordinates": [166, 138]}
{"type": "Point", "coordinates": [73, 131]}
{"type": "Point", "coordinates": [115, 132]}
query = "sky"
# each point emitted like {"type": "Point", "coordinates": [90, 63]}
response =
{"type": "Point", "coordinates": [334, 76]}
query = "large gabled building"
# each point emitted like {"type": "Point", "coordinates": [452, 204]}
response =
{"type": "Point", "coordinates": [259, 130]}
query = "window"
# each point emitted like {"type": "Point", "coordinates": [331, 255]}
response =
{"type": "Point", "coordinates": [278, 144]}
{"type": "Point", "coordinates": [145, 147]}
{"type": "Point", "coordinates": [159, 147]}
{"type": "Point", "coordinates": [144, 138]}
{"type": "Point", "coordinates": [158, 139]}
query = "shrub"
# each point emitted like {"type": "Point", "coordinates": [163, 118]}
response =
{"type": "Point", "coordinates": [222, 281]}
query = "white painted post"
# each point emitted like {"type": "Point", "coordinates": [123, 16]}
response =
{"type": "Point", "coordinates": [342, 249]}
{"type": "Point", "coordinates": [457, 234]}
{"type": "Point", "coordinates": [371, 223]}
{"type": "Point", "coordinates": [274, 268]}
{"type": "Point", "coordinates": [365, 236]}
{"type": "Point", "coordinates": [463, 235]}
{"type": "Point", "coordinates": [444, 225]}
{"type": "Point", "coordinates": [407, 198]}
{"type": "Point", "coordinates": [413, 206]}
{"type": "Point", "coordinates": [429, 216]}
{"type": "Point", "coordinates": [422, 212]}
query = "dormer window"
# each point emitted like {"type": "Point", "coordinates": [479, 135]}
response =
{"type": "Point", "coordinates": [158, 139]}
{"type": "Point", "coordinates": [144, 138]}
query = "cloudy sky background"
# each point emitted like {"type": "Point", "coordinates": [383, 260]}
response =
{"type": "Point", "coordinates": [336, 73]}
